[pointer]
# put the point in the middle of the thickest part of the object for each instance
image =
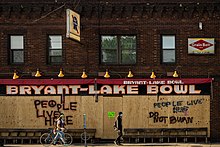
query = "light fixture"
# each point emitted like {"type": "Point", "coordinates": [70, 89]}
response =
{"type": "Point", "coordinates": [200, 25]}
{"type": "Point", "coordinates": [130, 75]}
{"type": "Point", "coordinates": [175, 75]}
{"type": "Point", "coordinates": [60, 75]}
{"type": "Point", "coordinates": [107, 74]}
{"type": "Point", "coordinates": [84, 74]}
{"type": "Point", "coordinates": [153, 76]}
{"type": "Point", "coordinates": [15, 76]}
{"type": "Point", "coordinates": [38, 73]}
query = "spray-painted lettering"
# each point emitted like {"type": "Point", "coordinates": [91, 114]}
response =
{"type": "Point", "coordinates": [169, 119]}
{"type": "Point", "coordinates": [50, 116]}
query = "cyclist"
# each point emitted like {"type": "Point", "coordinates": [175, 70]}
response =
{"type": "Point", "coordinates": [60, 129]}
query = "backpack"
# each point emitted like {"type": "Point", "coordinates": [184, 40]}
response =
{"type": "Point", "coordinates": [115, 126]}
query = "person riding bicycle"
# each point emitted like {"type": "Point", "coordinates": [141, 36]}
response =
{"type": "Point", "coordinates": [60, 128]}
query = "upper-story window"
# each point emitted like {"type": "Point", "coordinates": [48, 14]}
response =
{"type": "Point", "coordinates": [117, 49]}
{"type": "Point", "coordinates": [16, 49]}
{"type": "Point", "coordinates": [55, 49]}
{"type": "Point", "coordinates": [168, 49]}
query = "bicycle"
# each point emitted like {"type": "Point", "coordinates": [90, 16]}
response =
{"type": "Point", "coordinates": [47, 139]}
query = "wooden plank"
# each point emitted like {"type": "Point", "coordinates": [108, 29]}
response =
{"type": "Point", "coordinates": [136, 109]}
{"type": "Point", "coordinates": [110, 104]}
{"type": "Point", "coordinates": [94, 113]}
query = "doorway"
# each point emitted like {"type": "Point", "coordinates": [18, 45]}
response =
{"type": "Point", "coordinates": [111, 106]}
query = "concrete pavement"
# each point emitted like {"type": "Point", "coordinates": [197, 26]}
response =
{"type": "Point", "coordinates": [126, 145]}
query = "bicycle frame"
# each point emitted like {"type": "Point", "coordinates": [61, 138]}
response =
{"type": "Point", "coordinates": [49, 138]}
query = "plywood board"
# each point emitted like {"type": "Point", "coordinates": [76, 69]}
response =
{"type": "Point", "coordinates": [110, 105]}
{"type": "Point", "coordinates": [139, 111]}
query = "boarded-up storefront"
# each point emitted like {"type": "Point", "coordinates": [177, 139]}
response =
{"type": "Point", "coordinates": [146, 103]}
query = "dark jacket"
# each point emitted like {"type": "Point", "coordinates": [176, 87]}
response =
{"type": "Point", "coordinates": [119, 123]}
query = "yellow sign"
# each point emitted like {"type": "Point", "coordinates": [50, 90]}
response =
{"type": "Point", "coordinates": [73, 25]}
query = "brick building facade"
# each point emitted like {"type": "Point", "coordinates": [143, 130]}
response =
{"type": "Point", "coordinates": [148, 21]}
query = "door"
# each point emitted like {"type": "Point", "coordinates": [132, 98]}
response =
{"type": "Point", "coordinates": [111, 106]}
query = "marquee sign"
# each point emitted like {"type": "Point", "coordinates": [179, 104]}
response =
{"type": "Point", "coordinates": [201, 46]}
{"type": "Point", "coordinates": [104, 86]}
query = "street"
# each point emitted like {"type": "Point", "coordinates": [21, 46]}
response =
{"type": "Point", "coordinates": [127, 145]}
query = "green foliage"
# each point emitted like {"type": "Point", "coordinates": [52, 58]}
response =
{"type": "Point", "coordinates": [115, 46]}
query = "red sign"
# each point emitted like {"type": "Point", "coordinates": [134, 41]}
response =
{"type": "Point", "coordinates": [201, 44]}
{"type": "Point", "coordinates": [104, 86]}
{"type": "Point", "coordinates": [172, 81]}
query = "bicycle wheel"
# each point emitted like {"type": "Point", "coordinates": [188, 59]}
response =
{"type": "Point", "coordinates": [68, 139]}
{"type": "Point", "coordinates": [46, 139]}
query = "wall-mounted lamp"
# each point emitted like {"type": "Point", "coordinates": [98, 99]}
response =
{"type": "Point", "coordinates": [60, 75]}
{"type": "Point", "coordinates": [175, 75]}
{"type": "Point", "coordinates": [38, 73]}
{"type": "Point", "coordinates": [107, 74]}
{"type": "Point", "coordinates": [200, 25]}
{"type": "Point", "coordinates": [15, 76]}
{"type": "Point", "coordinates": [130, 75]}
{"type": "Point", "coordinates": [153, 76]}
{"type": "Point", "coordinates": [84, 74]}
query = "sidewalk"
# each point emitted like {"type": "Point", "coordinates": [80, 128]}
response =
{"type": "Point", "coordinates": [127, 145]}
